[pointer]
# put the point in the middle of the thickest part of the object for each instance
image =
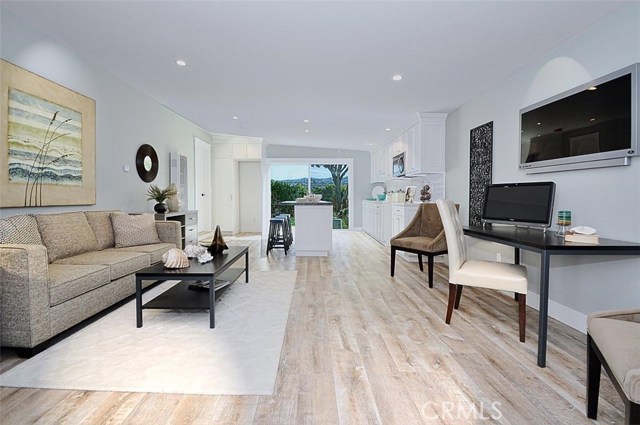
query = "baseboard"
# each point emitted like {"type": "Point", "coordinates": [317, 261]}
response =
{"type": "Point", "coordinates": [564, 314]}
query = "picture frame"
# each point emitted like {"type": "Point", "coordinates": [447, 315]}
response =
{"type": "Point", "coordinates": [47, 142]}
{"type": "Point", "coordinates": [409, 194]}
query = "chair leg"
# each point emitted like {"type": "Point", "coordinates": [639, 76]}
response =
{"type": "Point", "coordinates": [594, 368]}
{"type": "Point", "coordinates": [522, 315]}
{"type": "Point", "coordinates": [430, 258]}
{"type": "Point", "coordinates": [458, 296]}
{"type": "Point", "coordinates": [452, 299]}
{"type": "Point", "coordinates": [421, 265]}
{"type": "Point", "coordinates": [393, 261]}
{"type": "Point", "coordinates": [632, 413]}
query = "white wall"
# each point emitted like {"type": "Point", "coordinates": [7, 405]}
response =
{"type": "Point", "coordinates": [607, 199]}
{"type": "Point", "coordinates": [125, 119]}
{"type": "Point", "coordinates": [361, 173]}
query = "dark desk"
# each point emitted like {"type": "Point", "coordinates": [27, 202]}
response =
{"type": "Point", "coordinates": [546, 244]}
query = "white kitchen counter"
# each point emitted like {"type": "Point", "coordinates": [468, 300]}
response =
{"type": "Point", "coordinates": [313, 229]}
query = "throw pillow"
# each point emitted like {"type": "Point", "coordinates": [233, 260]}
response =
{"type": "Point", "coordinates": [66, 234]}
{"type": "Point", "coordinates": [20, 229]}
{"type": "Point", "coordinates": [132, 230]}
{"type": "Point", "coordinates": [100, 223]}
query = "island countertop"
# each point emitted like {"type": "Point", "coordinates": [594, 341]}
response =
{"type": "Point", "coordinates": [306, 203]}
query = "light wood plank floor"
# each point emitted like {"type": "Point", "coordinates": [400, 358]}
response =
{"type": "Point", "coordinates": [363, 348]}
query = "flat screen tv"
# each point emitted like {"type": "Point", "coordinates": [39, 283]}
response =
{"type": "Point", "coordinates": [527, 204]}
{"type": "Point", "coordinates": [594, 125]}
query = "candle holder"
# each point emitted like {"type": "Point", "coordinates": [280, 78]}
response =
{"type": "Point", "coordinates": [564, 221]}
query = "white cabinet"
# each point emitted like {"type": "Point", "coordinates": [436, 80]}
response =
{"type": "Point", "coordinates": [401, 216]}
{"type": "Point", "coordinates": [376, 220]}
{"type": "Point", "coordinates": [381, 164]}
{"type": "Point", "coordinates": [426, 153]}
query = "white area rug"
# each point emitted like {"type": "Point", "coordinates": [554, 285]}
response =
{"type": "Point", "coordinates": [175, 351]}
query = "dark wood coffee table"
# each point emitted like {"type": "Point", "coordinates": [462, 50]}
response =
{"type": "Point", "coordinates": [180, 296]}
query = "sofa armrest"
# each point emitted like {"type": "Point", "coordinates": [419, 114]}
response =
{"type": "Point", "coordinates": [24, 295]}
{"type": "Point", "coordinates": [170, 232]}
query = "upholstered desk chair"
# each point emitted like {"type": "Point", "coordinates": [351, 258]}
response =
{"type": "Point", "coordinates": [424, 235]}
{"type": "Point", "coordinates": [613, 341]}
{"type": "Point", "coordinates": [483, 274]}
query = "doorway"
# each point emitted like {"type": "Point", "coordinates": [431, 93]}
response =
{"type": "Point", "coordinates": [250, 196]}
{"type": "Point", "coordinates": [203, 184]}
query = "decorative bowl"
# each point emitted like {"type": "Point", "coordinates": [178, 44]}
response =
{"type": "Point", "coordinates": [382, 196]}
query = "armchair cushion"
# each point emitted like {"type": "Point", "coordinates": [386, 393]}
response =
{"type": "Point", "coordinates": [66, 234]}
{"type": "Point", "coordinates": [420, 243]}
{"type": "Point", "coordinates": [617, 334]}
{"type": "Point", "coordinates": [492, 275]}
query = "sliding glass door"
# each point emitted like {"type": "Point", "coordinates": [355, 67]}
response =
{"type": "Point", "coordinates": [295, 180]}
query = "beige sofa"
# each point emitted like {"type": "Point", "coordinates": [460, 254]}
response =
{"type": "Point", "coordinates": [57, 270]}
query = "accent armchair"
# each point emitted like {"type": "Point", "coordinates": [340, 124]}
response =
{"type": "Point", "coordinates": [483, 274]}
{"type": "Point", "coordinates": [613, 341]}
{"type": "Point", "coordinates": [424, 235]}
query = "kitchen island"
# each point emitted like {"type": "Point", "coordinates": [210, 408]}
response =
{"type": "Point", "coordinates": [313, 227]}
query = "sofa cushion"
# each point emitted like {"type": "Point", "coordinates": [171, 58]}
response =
{"type": "Point", "coordinates": [120, 263]}
{"type": "Point", "coordinates": [155, 250]}
{"type": "Point", "coordinates": [100, 223]}
{"type": "Point", "coordinates": [20, 229]}
{"type": "Point", "coordinates": [132, 230]}
{"type": "Point", "coordinates": [66, 234]}
{"type": "Point", "coordinates": [69, 281]}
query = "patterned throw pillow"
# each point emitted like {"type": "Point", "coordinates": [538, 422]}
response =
{"type": "Point", "coordinates": [66, 234]}
{"type": "Point", "coordinates": [132, 230]}
{"type": "Point", "coordinates": [20, 229]}
{"type": "Point", "coordinates": [100, 223]}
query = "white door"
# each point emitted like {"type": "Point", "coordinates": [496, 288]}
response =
{"type": "Point", "coordinates": [203, 184]}
{"type": "Point", "coordinates": [250, 196]}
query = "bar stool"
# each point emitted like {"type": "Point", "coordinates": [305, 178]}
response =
{"type": "Point", "coordinates": [276, 238]}
{"type": "Point", "coordinates": [287, 228]}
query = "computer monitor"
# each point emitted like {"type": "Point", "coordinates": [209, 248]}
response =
{"type": "Point", "coordinates": [528, 204]}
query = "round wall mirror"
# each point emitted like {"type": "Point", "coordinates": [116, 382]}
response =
{"type": "Point", "coordinates": [147, 163]}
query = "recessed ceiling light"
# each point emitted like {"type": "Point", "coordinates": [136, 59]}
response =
{"type": "Point", "coordinates": [592, 88]}
{"type": "Point", "coordinates": [181, 62]}
{"type": "Point", "coordinates": [306, 120]}
{"type": "Point", "coordinates": [235, 118]}
{"type": "Point", "coordinates": [370, 144]}
{"type": "Point", "coordinates": [387, 129]}
{"type": "Point", "coordinates": [592, 119]}
{"type": "Point", "coordinates": [539, 123]}
{"type": "Point", "coordinates": [397, 77]}
{"type": "Point", "coordinates": [306, 131]}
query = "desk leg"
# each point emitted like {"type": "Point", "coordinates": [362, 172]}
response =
{"type": "Point", "coordinates": [516, 260]}
{"type": "Point", "coordinates": [543, 310]}
{"type": "Point", "coordinates": [212, 301]}
{"type": "Point", "coordinates": [138, 302]}
{"type": "Point", "coordinates": [246, 267]}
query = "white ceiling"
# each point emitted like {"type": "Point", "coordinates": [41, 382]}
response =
{"type": "Point", "coordinates": [274, 64]}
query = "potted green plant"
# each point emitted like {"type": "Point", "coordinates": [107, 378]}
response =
{"type": "Point", "coordinates": [160, 195]}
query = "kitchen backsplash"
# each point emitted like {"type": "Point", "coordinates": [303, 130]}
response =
{"type": "Point", "coordinates": [434, 180]}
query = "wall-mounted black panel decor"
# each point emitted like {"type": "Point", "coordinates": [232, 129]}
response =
{"type": "Point", "coordinates": [480, 166]}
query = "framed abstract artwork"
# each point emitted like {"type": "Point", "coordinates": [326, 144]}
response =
{"type": "Point", "coordinates": [47, 142]}
{"type": "Point", "coordinates": [480, 169]}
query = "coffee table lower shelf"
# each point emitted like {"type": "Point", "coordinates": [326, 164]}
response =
{"type": "Point", "coordinates": [180, 297]}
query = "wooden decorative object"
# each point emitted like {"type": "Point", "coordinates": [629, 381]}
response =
{"type": "Point", "coordinates": [217, 244]}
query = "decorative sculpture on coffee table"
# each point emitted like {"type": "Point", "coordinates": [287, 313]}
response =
{"type": "Point", "coordinates": [175, 259]}
{"type": "Point", "coordinates": [217, 244]}
{"type": "Point", "coordinates": [425, 196]}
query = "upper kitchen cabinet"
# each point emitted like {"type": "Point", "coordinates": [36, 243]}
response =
{"type": "Point", "coordinates": [425, 144]}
